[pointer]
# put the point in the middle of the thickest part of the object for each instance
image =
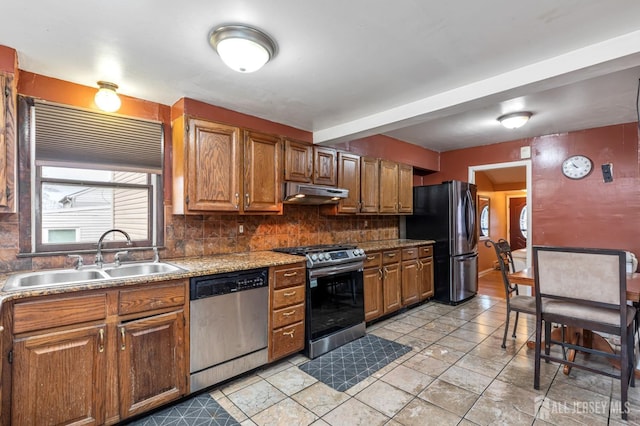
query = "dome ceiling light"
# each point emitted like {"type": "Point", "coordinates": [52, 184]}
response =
{"type": "Point", "coordinates": [106, 97]}
{"type": "Point", "coordinates": [241, 48]}
{"type": "Point", "coordinates": [515, 120]}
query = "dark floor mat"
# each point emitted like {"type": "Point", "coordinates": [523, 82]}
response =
{"type": "Point", "coordinates": [351, 363]}
{"type": "Point", "coordinates": [199, 410]}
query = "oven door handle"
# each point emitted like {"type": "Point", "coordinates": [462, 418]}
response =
{"type": "Point", "coordinates": [336, 269]}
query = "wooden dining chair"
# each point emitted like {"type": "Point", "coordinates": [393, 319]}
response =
{"type": "Point", "coordinates": [515, 301]}
{"type": "Point", "coordinates": [584, 289]}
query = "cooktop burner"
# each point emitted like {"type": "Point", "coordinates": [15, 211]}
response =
{"type": "Point", "coordinates": [326, 254]}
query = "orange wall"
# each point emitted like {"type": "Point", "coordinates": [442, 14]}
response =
{"type": "Point", "coordinates": [586, 212]}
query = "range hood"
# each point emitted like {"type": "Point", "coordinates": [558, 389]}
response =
{"type": "Point", "coordinates": [305, 193]}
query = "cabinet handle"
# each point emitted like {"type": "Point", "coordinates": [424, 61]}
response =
{"type": "Point", "coordinates": [237, 201]}
{"type": "Point", "coordinates": [399, 205]}
{"type": "Point", "coordinates": [101, 340]}
{"type": "Point", "coordinates": [246, 196]}
{"type": "Point", "coordinates": [420, 265]}
{"type": "Point", "coordinates": [385, 271]}
{"type": "Point", "coordinates": [379, 274]}
{"type": "Point", "coordinates": [289, 333]}
{"type": "Point", "coordinates": [288, 314]}
{"type": "Point", "coordinates": [291, 274]}
{"type": "Point", "coordinates": [391, 255]}
{"type": "Point", "coordinates": [291, 293]}
{"type": "Point", "coordinates": [122, 340]}
{"type": "Point", "coordinates": [370, 257]}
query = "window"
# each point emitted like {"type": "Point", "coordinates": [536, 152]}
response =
{"type": "Point", "coordinates": [94, 172]}
{"type": "Point", "coordinates": [523, 221]}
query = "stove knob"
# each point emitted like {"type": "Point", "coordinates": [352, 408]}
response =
{"type": "Point", "coordinates": [322, 256]}
{"type": "Point", "coordinates": [314, 257]}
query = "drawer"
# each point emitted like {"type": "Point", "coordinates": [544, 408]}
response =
{"type": "Point", "coordinates": [288, 276]}
{"type": "Point", "coordinates": [373, 260]}
{"type": "Point", "coordinates": [425, 251]}
{"type": "Point", "coordinates": [390, 256]}
{"type": "Point", "coordinates": [288, 296]}
{"type": "Point", "coordinates": [151, 297]}
{"type": "Point", "coordinates": [410, 253]}
{"type": "Point", "coordinates": [287, 340]}
{"type": "Point", "coordinates": [57, 312]}
{"type": "Point", "coordinates": [288, 315]}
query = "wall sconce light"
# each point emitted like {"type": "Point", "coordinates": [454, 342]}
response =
{"type": "Point", "coordinates": [515, 120]}
{"type": "Point", "coordinates": [241, 48]}
{"type": "Point", "coordinates": [106, 98]}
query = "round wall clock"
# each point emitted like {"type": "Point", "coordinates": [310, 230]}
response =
{"type": "Point", "coordinates": [577, 166]}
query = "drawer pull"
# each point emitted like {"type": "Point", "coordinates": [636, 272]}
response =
{"type": "Point", "coordinates": [101, 340]}
{"type": "Point", "coordinates": [289, 294]}
{"type": "Point", "coordinates": [370, 257]}
{"type": "Point", "coordinates": [391, 254]}
{"type": "Point", "coordinates": [291, 274]}
{"type": "Point", "coordinates": [289, 333]}
{"type": "Point", "coordinates": [122, 339]}
{"type": "Point", "coordinates": [410, 252]}
{"type": "Point", "coordinates": [288, 314]}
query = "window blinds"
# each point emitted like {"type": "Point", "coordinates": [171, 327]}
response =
{"type": "Point", "coordinates": [69, 136]}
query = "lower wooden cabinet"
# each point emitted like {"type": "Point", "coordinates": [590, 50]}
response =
{"type": "Point", "coordinates": [391, 281]}
{"type": "Point", "coordinates": [287, 310]}
{"type": "Point", "coordinates": [425, 272]}
{"type": "Point", "coordinates": [77, 360]}
{"type": "Point", "coordinates": [372, 283]}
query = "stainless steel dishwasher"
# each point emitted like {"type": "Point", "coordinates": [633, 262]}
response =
{"type": "Point", "coordinates": [229, 316]}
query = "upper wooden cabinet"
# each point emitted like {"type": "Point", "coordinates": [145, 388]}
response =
{"type": "Point", "coordinates": [217, 167]}
{"type": "Point", "coordinates": [7, 144]}
{"type": "Point", "coordinates": [369, 185]}
{"type": "Point", "coordinates": [349, 178]}
{"type": "Point", "coordinates": [310, 164]}
{"type": "Point", "coordinates": [396, 188]}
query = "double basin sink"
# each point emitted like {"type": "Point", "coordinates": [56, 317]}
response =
{"type": "Point", "coordinates": [87, 274]}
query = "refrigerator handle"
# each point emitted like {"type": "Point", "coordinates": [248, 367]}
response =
{"type": "Point", "coordinates": [471, 220]}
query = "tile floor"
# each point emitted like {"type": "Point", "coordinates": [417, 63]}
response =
{"type": "Point", "coordinates": [456, 374]}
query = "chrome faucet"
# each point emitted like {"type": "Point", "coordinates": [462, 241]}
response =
{"type": "Point", "coordinates": [99, 258]}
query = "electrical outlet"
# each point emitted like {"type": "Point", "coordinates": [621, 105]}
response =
{"type": "Point", "coordinates": [240, 229]}
{"type": "Point", "coordinates": [607, 172]}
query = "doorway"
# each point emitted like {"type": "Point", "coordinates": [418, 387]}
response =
{"type": "Point", "coordinates": [517, 222]}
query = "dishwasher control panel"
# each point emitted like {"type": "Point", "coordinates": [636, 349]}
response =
{"type": "Point", "coordinates": [225, 283]}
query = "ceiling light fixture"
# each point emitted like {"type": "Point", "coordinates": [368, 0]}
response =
{"type": "Point", "coordinates": [241, 48]}
{"type": "Point", "coordinates": [515, 120]}
{"type": "Point", "coordinates": [106, 98]}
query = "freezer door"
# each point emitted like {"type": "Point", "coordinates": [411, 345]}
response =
{"type": "Point", "coordinates": [463, 227]}
{"type": "Point", "coordinates": [464, 279]}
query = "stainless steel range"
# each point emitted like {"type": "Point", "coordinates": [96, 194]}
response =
{"type": "Point", "coordinates": [334, 296]}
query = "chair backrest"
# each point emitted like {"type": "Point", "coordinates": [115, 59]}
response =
{"type": "Point", "coordinates": [595, 275]}
{"type": "Point", "coordinates": [505, 260]}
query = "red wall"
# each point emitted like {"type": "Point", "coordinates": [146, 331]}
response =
{"type": "Point", "coordinates": [586, 212]}
{"type": "Point", "coordinates": [8, 60]}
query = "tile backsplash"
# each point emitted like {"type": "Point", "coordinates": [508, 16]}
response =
{"type": "Point", "coordinates": [203, 235]}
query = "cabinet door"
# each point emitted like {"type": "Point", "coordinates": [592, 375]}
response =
{"type": "Point", "coordinates": [405, 189]}
{"type": "Point", "coordinates": [391, 287]}
{"type": "Point", "coordinates": [372, 293]}
{"type": "Point", "coordinates": [349, 178]}
{"type": "Point", "coordinates": [298, 163]}
{"type": "Point", "coordinates": [60, 378]}
{"type": "Point", "coordinates": [324, 166]}
{"type": "Point", "coordinates": [388, 187]}
{"type": "Point", "coordinates": [410, 282]}
{"type": "Point", "coordinates": [262, 173]}
{"type": "Point", "coordinates": [151, 362]}
{"type": "Point", "coordinates": [369, 185]}
{"type": "Point", "coordinates": [214, 167]}
{"type": "Point", "coordinates": [426, 277]}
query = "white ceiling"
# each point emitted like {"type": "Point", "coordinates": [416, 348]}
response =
{"type": "Point", "coordinates": [433, 73]}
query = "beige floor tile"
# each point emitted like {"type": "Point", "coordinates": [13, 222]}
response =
{"type": "Point", "coordinates": [384, 398]}
{"type": "Point", "coordinates": [320, 398]}
{"type": "Point", "coordinates": [579, 398]}
{"type": "Point", "coordinates": [407, 379]}
{"type": "Point", "coordinates": [466, 379]}
{"type": "Point", "coordinates": [275, 368]}
{"type": "Point", "coordinates": [230, 407]}
{"type": "Point", "coordinates": [559, 413]}
{"type": "Point", "coordinates": [520, 399]}
{"type": "Point", "coordinates": [416, 344]}
{"type": "Point", "coordinates": [386, 333]}
{"type": "Point", "coordinates": [355, 413]}
{"type": "Point", "coordinates": [443, 353]}
{"type": "Point", "coordinates": [427, 365]}
{"type": "Point", "coordinates": [240, 383]}
{"type": "Point", "coordinates": [485, 366]}
{"type": "Point", "coordinates": [422, 413]}
{"type": "Point", "coordinates": [487, 411]}
{"type": "Point", "coordinates": [519, 372]}
{"type": "Point", "coordinates": [256, 397]}
{"type": "Point", "coordinates": [457, 344]}
{"type": "Point", "coordinates": [400, 327]}
{"type": "Point", "coordinates": [469, 335]}
{"type": "Point", "coordinates": [491, 320]}
{"type": "Point", "coordinates": [450, 397]}
{"type": "Point", "coordinates": [489, 349]}
{"type": "Point", "coordinates": [451, 320]}
{"type": "Point", "coordinates": [291, 380]}
{"type": "Point", "coordinates": [285, 413]}
{"type": "Point", "coordinates": [439, 308]}
{"type": "Point", "coordinates": [427, 315]}
{"type": "Point", "coordinates": [414, 320]}
{"type": "Point", "coordinates": [479, 328]}
{"type": "Point", "coordinates": [439, 326]}
{"type": "Point", "coordinates": [361, 385]}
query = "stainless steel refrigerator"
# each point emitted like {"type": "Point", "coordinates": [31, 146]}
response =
{"type": "Point", "coordinates": [446, 213]}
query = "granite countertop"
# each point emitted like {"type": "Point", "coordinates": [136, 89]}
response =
{"type": "Point", "coordinates": [206, 265]}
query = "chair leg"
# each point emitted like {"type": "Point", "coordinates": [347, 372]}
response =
{"type": "Point", "coordinates": [515, 325]}
{"type": "Point", "coordinates": [547, 339]}
{"type": "Point", "coordinates": [632, 359]}
{"type": "Point", "coordinates": [624, 371]}
{"type": "Point", "coordinates": [506, 329]}
{"type": "Point", "coordinates": [536, 368]}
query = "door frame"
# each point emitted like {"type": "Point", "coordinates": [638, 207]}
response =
{"type": "Point", "coordinates": [520, 163]}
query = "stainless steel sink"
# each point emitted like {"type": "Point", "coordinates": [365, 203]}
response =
{"type": "Point", "coordinates": [137, 269]}
{"type": "Point", "coordinates": [53, 278]}
{"type": "Point", "coordinates": [88, 274]}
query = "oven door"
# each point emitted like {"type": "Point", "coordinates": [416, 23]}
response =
{"type": "Point", "coordinates": [335, 299]}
